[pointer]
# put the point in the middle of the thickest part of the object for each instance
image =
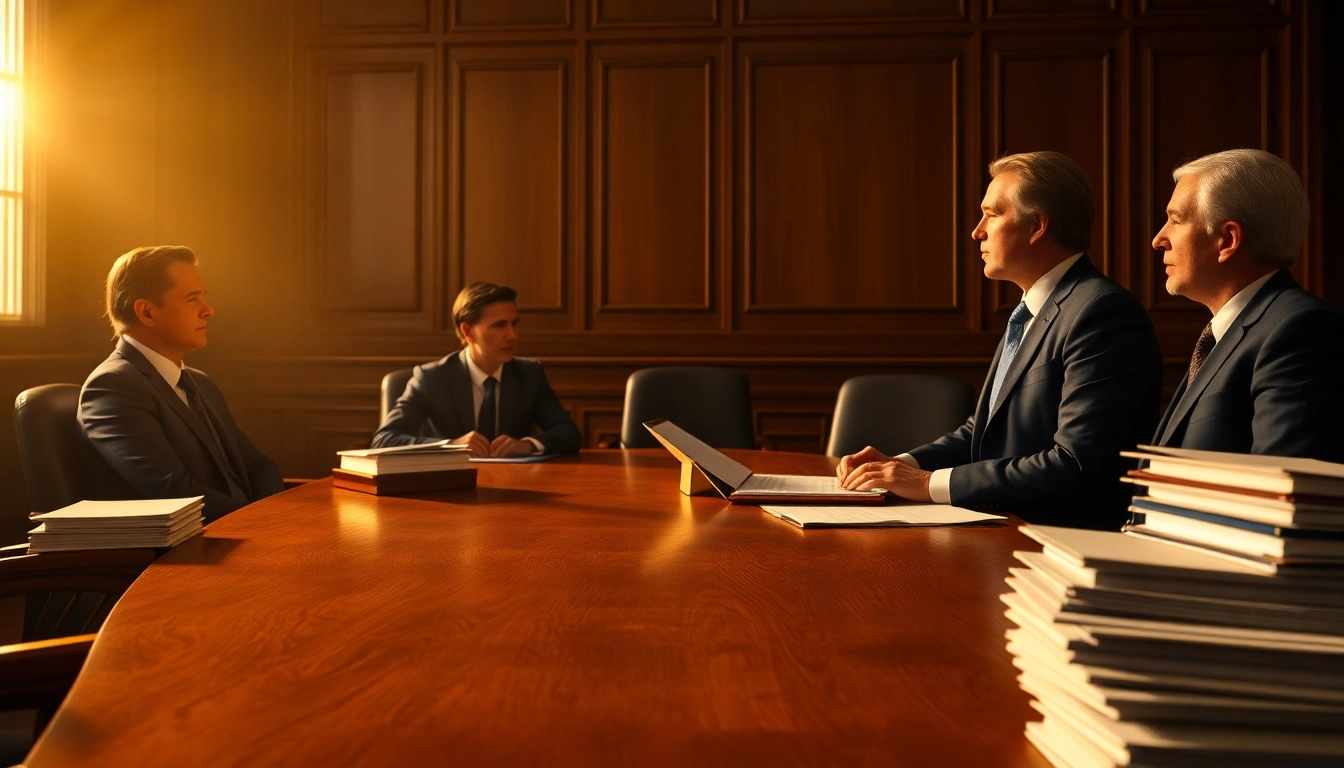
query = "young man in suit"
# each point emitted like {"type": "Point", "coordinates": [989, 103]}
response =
{"type": "Point", "coordinates": [1267, 374]}
{"type": "Point", "coordinates": [482, 396]}
{"type": "Point", "coordinates": [1076, 378]}
{"type": "Point", "coordinates": [163, 427]}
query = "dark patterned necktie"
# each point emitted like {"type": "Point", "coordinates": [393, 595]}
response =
{"type": "Point", "coordinates": [1012, 340]}
{"type": "Point", "coordinates": [1202, 349]}
{"type": "Point", "coordinates": [485, 421]}
{"type": "Point", "coordinates": [202, 411]}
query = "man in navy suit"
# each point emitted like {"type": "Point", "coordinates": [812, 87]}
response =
{"type": "Point", "coordinates": [1076, 378]}
{"type": "Point", "coordinates": [163, 427]}
{"type": "Point", "coordinates": [1267, 374]}
{"type": "Point", "coordinates": [482, 396]}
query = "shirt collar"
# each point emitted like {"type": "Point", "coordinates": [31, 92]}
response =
{"type": "Point", "coordinates": [1043, 287]}
{"type": "Point", "coordinates": [1227, 315]}
{"type": "Point", "coordinates": [171, 372]}
{"type": "Point", "coordinates": [478, 376]}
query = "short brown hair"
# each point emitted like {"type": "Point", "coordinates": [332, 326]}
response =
{"type": "Point", "coordinates": [141, 273]}
{"type": "Point", "coordinates": [1052, 184]}
{"type": "Point", "coordinates": [472, 301]}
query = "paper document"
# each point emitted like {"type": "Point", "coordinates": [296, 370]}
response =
{"type": "Point", "coordinates": [528, 458]}
{"type": "Point", "coordinates": [903, 516]}
{"type": "Point", "coordinates": [793, 484]}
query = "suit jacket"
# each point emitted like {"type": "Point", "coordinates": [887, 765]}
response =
{"type": "Point", "coordinates": [1083, 386]}
{"type": "Point", "coordinates": [439, 393]}
{"type": "Point", "coordinates": [1274, 384]}
{"type": "Point", "coordinates": [139, 425]}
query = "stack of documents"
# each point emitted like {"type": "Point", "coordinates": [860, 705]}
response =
{"type": "Point", "coordinates": [405, 469]}
{"type": "Point", "coordinates": [1264, 509]}
{"type": "Point", "coordinates": [896, 516]}
{"type": "Point", "coordinates": [1140, 651]}
{"type": "Point", "coordinates": [117, 525]}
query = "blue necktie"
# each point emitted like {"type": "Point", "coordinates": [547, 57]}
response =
{"type": "Point", "coordinates": [1011, 341]}
{"type": "Point", "coordinates": [485, 420]}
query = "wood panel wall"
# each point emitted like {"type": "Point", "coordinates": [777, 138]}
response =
{"type": "Point", "coordinates": [783, 186]}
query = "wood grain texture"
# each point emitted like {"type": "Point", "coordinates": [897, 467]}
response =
{"type": "Point", "coordinates": [385, 15]}
{"type": "Point", "coordinates": [578, 612]}
{"type": "Point", "coordinates": [654, 12]}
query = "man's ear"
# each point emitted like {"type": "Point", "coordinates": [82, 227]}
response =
{"type": "Point", "coordinates": [465, 330]}
{"type": "Point", "coordinates": [1040, 223]}
{"type": "Point", "coordinates": [144, 312]}
{"type": "Point", "coordinates": [1229, 240]}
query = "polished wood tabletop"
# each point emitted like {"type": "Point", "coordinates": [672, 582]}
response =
{"type": "Point", "coordinates": [575, 612]}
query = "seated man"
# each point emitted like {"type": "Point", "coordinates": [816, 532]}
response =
{"type": "Point", "coordinates": [1267, 374]}
{"type": "Point", "coordinates": [162, 426]}
{"type": "Point", "coordinates": [482, 396]}
{"type": "Point", "coordinates": [1075, 381]}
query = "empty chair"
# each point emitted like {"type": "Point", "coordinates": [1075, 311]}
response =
{"type": "Point", "coordinates": [59, 465]}
{"type": "Point", "coordinates": [67, 596]}
{"type": "Point", "coordinates": [394, 384]}
{"type": "Point", "coordinates": [714, 404]}
{"type": "Point", "coordinates": [897, 412]}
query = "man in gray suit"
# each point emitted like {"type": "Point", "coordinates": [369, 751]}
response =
{"type": "Point", "coordinates": [482, 397]}
{"type": "Point", "coordinates": [1076, 378]}
{"type": "Point", "coordinates": [1267, 373]}
{"type": "Point", "coordinates": [164, 427]}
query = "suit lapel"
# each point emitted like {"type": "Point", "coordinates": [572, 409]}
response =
{"type": "Point", "coordinates": [169, 395]}
{"type": "Point", "coordinates": [460, 388]}
{"type": "Point", "coordinates": [1185, 398]}
{"type": "Point", "coordinates": [1166, 426]}
{"type": "Point", "coordinates": [1035, 335]}
{"type": "Point", "coordinates": [510, 384]}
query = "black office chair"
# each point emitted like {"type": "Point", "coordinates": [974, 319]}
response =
{"type": "Point", "coordinates": [714, 404]}
{"type": "Point", "coordinates": [67, 597]}
{"type": "Point", "coordinates": [394, 384]}
{"type": "Point", "coordinates": [59, 465]}
{"type": "Point", "coordinates": [897, 412]}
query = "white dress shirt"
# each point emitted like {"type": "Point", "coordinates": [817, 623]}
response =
{"type": "Point", "coordinates": [940, 484]}
{"type": "Point", "coordinates": [478, 378]}
{"type": "Point", "coordinates": [1227, 314]}
{"type": "Point", "coordinates": [170, 371]}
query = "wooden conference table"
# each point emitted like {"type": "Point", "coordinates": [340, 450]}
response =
{"type": "Point", "coordinates": [576, 612]}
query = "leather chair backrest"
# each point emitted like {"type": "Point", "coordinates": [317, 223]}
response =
{"type": "Point", "coordinates": [59, 465]}
{"type": "Point", "coordinates": [714, 404]}
{"type": "Point", "coordinates": [897, 412]}
{"type": "Point", "coordinates": [394, 384]}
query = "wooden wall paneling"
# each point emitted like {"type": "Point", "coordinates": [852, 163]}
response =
{"type": "Point", "coordinates": [1061, 93]}
{"type": "Point", "coordinates": [655, 186]}
{"type": "Point", "coordinates": [1209, 7]}
{"type": "Point", "coordinates": [1198, 97]}
{"type": "Point", "coordinates": [850, 189]}
{"type": "Point", "coordinates": [373, 163]}
{"type": "Point", "coordinates": [1044, 9]}
{"type": "Point", "coordinates": [384, 16]}
{"type": "Point", "coordinates": [326, 430]}
{"type": "Point", "coordinates": [514, 14]}
{"type": "Point", "coordinates": [654, 13]}
{"type": "Point", "coordinates": [821, 11]}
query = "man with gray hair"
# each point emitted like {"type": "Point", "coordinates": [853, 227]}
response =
{"type": "Point", "coordinates": [1076, 378]}
{"type": "Point", "coordinates": [1267, 373]}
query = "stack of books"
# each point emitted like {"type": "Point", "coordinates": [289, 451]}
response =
{"type": "Point", "coordinates": [405, 469]}
{"type": "Point", "coordinates": [153, 523]}
{"type": "Point", "coordinates": [1181, 641]}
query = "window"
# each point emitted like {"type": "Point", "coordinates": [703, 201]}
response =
{"type": "Point", "coordinates": [18, 246]}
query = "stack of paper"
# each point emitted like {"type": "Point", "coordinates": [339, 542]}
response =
{"type": "Point", "coordinates": [117, 525]}
{"type": "Point", "coordinates": [1261, 508]}
{"type": "Point", "coordinates": [405, 469]}
{"type": "Point", "coordinates": [1139, 651]}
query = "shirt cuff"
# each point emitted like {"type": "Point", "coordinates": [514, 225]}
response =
{"type": "Point", "coordinates": [940, 486]}
{"type": "Point", "coordinates": [537, 447]}
{"type": "Point", "coordinates": [908, 460]}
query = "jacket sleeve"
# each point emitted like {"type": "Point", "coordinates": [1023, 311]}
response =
{"type": "Point", "coordinates": [120, 417]}
{"type": "Point", "coordinates": [558, 432]}
{"type": "Point", "coordinates": [950, 450]}
{"type": "Point", "coordinates": [1111, 368]}
{"type": "Point", "coordinates": [1298, 387]}
{"type": "Point", "coordinates": [407, 418]}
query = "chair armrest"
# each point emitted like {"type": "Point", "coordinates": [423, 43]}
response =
{"type": "Point", "coordinates": [610, 442]}
{"type": "Point", "coordinates": [763, 443]}
{"type": "Point", "coordinates": [295, 482]}
{"type": "Point", "coordinates": [37, 675]}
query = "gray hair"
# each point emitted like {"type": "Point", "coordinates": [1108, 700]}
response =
{"type": "Point", "coordinates": [1257, 190]}
{"type": "Point", "coordinates": [1052, 184]}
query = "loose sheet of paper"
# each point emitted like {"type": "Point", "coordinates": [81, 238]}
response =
{"type": "Point", "coordinates": [884, 517]}
{"type": "Point", "coordinates": [810, 485]}
{"type": "Point", "coordinates": [526, 458]}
